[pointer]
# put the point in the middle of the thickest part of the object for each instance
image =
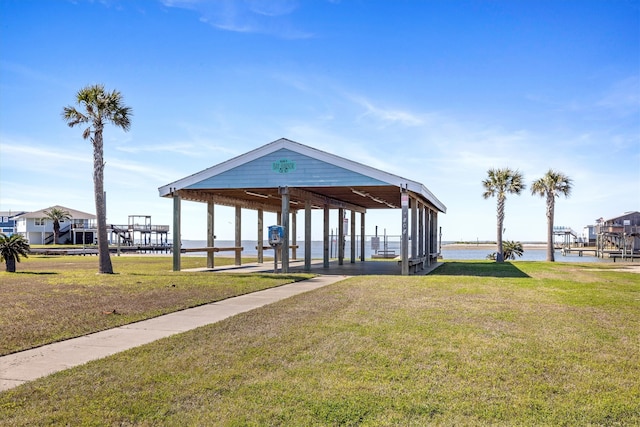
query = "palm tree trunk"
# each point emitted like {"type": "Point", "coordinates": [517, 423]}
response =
{"type": "Point", "coordinates": [104, 258]}
{"type": "Point", "coordinates": [550, 208]}
{"type": "Point", "coordinates": [56, 232]}
{"type": "Point", "coordinates": [11, 264]}
{"type": "Point", "coordinates": [499, 254]}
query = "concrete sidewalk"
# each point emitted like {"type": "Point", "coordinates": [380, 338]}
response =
{"type": "Point", "coordinates": [18, 368]}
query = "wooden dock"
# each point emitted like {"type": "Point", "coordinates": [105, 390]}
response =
{"type": "Point", "coordinates": [579, 251]}
{"type": "Point", "coordinates": [93, 250]}
{"type": "Point", "coordinates": [611, 254]}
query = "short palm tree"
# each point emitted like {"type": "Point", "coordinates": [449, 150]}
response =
{"type": "Point", "coordinates": [11, 249]}
{"type": "Point", "coordinates": [551, 185]}
{"type": "Point", "coordinates": [56, 215]}
{"type": "Point", "coordinates": [99, 107]}
{"type": "Point", "coordinates": [499, 183]}
{"type": "Point", "coordinates": [512, 249]}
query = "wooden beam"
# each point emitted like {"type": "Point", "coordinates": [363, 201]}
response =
{"type": "Point", "coordinates": [325, 238]}
{"type": "Point", "coordinates": [353, 237]}
{"type": "Point", "coordinates": [298, 193]}
{"type": "Point", "coordinates": [420, 229]}
{"type": "Point", "coordinates": [210, 233]}
{"type": "Point", "coordinates": [176, 233]}
{"type": "Point", "coordinates": [260, 236]}
{"type": "Point", "coordinates": [340, 236]}
{"type": "Point", "coordinates": [284, 193]}
{"type": "Point", "coordinates": [414, 227]}
{"type": "Point", "coordinates": [362, 237]}
{"type": "Point", "coordinates": [294, 231]}
{"type": "Point", "coordinates": [238, 234]}
{"type": "Point", "coordinates": [319, 199]}
{"type": "Point", "coordinates": [428, 237]}
{"type": "Point", "coordinates": [204, 197]}
{"type": "Point", "coordinates": [307, 235]}
{"type": "Point", "coordinates": [404, 201]}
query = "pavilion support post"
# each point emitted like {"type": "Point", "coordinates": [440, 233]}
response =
{"type": "Point", "coordinates": [260, 236]}
{"type": "Point", "coordinates": [238, 260]}
{"type": "Point", "coordinates": [177, 243]}
{"type": "Point", "coordinates": [405, 231]}
{"type": "Point", "coordinates": [434, 235]}
{"type": "Point", "coordinates": [277, 251]}
{"type": "Point", "coordinates": [437, 241]}
{"type": "Point", "coordinates": [325, 238]}
{"type": "Point", "coordinates": [353, 237]}
{"type": "Point", "coordinates": [414, 227]}
{"type": "Point", "coordinates": [210, 233]}
{"type": "Point", "coordinates": [307, 235]}
{"type": "Point", "coordinates": [420, 230]}
{"type": "Point", "coordinates": [294, 231]}
{"type": "Point", "coordinates": [362, 237]}
{"type": "Point", "coordinates": [429, 231]}
{"type": "Point", "coordinates": [340, 236]}
{"type": "Point", "coordinates": [284, 193]}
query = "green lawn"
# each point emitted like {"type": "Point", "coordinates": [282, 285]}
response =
{"type": "Point", "coordinates": [474, 343]}
{"type": "Point", "coordinates": [55, 298]}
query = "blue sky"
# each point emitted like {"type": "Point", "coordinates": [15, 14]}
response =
{"type": "Point", "coordinates": [435, 91]}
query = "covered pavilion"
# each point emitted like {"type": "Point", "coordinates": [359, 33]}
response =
{"type": "Point", "coordinates": [285, 176]}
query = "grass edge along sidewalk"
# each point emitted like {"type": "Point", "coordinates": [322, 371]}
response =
{"type": "Point", "coordinates": [28, 365]}
{"type": "Point", "coordinates": [51, 299]}
{"type": "Point", "coordinates": [472, 344]}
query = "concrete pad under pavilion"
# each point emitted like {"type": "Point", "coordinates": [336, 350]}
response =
{"type": "Point", "coordinates": [369, 268]}
{"type": "Point", "coordinates": [284, 177]}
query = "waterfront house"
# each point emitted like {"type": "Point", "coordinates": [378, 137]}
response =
{"type": "Point", "coordinates": [8, 222]}
{"type": "Point", "coordinates": [38, 229]}
{"type": "Point", "coordinates": [620, 232]}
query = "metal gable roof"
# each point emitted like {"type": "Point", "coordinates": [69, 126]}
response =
{"type": "Point", "coordinates": [361, 185]}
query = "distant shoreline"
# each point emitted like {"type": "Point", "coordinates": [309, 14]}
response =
{"type": "Point", "coordinates": [466, 246]}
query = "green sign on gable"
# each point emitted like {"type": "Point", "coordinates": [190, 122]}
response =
{"type": "Point", "coordinates": [283, 166]}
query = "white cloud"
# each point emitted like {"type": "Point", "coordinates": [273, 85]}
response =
{"type": "Point", "coordinates": [387, 115]}
{"type": "Point", "coordinates": [623, 97]}
{"type": "Point", "coordinates": [246, 16]}
{"type": "Point", "coordinates": [182, 148]}
{"type": "Point", "coordinates": [20, 150]}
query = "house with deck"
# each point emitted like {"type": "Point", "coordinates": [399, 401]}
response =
{"type": "Point", "coordinates": [8, 221]}
{"type": "Point", "coordinates": [619, 233]}
{"type": "Point", "coordinates": [38, 229]}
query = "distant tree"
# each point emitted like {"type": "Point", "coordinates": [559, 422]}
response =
{"type": "Point", "coordinates": [499, 183]}
{"type": "Point", "coordinates": [551, 185]}
{"type": "Point", "coordinates": [11, 249]}
{"type": "Point", "coordinates": [99, 107]}
{"type": "Point", "coordinates": [57, 215]}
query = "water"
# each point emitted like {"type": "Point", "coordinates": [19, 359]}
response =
{"type": "Point", "coordinates": [528, 255]}
{"type": "Point", "coordinates": [448, 253]}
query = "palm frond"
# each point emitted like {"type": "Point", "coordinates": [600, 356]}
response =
{"type": "Point", "coordinates": [13, 246]}
{"type": "Point", "coordinates": [553, 183]}
{"type": "Point", "coordinates": [73, 116]}
{"type": "Point", "coordinates": [502, 181]}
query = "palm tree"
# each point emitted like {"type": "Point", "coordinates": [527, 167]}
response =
{"type": "Point", "coordinates": [56, 215]}
{"type": "Point", "coordinates": [12, 248]}
{"type": "Point", "coordinates": [499, 182]}
{"type": "Point", "coordinates": [551, 185]}
{"type": "Point", "coordinates": [512, 249]}
{"type": "Point", "coordinates": [99, 107]}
